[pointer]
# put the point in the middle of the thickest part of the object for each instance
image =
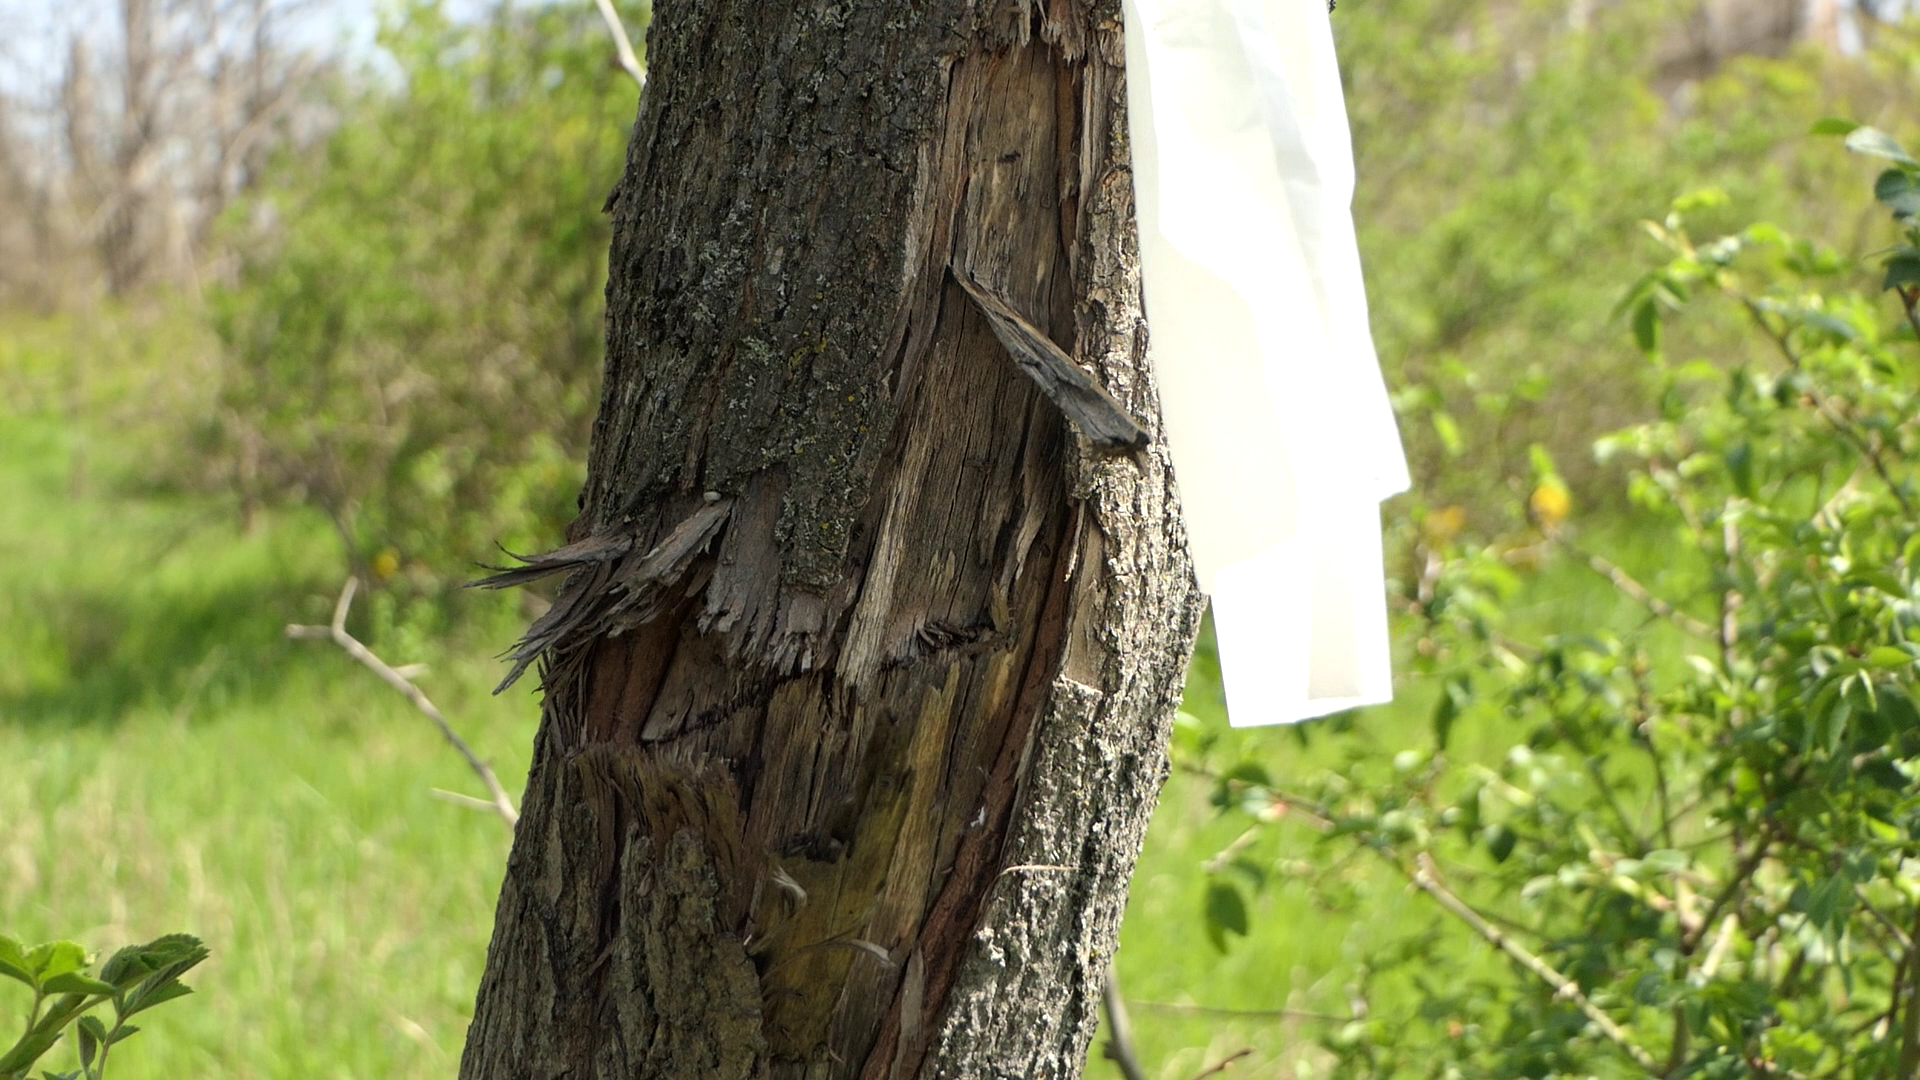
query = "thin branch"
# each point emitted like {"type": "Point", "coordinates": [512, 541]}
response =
{"type": "Point", "coordinates": [337, 633]}
{"type": "Point", "coordinates": [1886, 921]}
{"type": "Point", "coordinates": [1909, 299]}
{"type": "Point", "coordinates": [1246, 1014]}
{"type": "Point", "coordinates": [1643, 697]}
{"type": "Point", "coordinates": [628, 61]}
{"type": "Point", "coordinates": [1119, 1048]}
{"type": "Point", "coordinates": [1762, 846]}
{"type": "Point", "coordinates": [1840, 423]}
{"type": "Point", "coordinates": [1625, 583]}
{"type": "Point", "coordinates": [1428, 882]}
{"type": "Point", "coordinates": [1225, 1064]}
{"type": "Point", "coordinates": [1910, 1035]}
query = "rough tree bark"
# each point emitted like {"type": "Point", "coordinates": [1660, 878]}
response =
{"type": "Point", "coordinates": [858, 689]}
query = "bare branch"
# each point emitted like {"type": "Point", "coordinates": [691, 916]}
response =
{"type": "Point", "coordinates": [1626, 584]}
{"type": "Point", "coordinates": [628, 61]}
{"type": "Point", "coordinates": [1224, 1064]}
{"type": "Point", "coordinates": [337, 633]}
{"type": "Point", "coordinates": [1248, 1014]}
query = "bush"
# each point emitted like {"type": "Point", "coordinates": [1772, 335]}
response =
{"type": "Point", "coordinates": [1506, 151]}
{"type": "Point", "coordinates": [414, 327]}
{"type": "Point", "coordinates": [1695, 848]}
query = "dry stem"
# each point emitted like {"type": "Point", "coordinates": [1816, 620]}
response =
{"type": "Point", "coordinates": [628, 61]}
{"type": "Point", "coordinates": [337, 633]}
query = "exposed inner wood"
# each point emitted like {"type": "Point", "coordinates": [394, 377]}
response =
{"type": "Point", "coordinates": [857, 690]}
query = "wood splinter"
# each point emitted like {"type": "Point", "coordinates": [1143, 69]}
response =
{"type": "Point", "coordinates": [1086, 404]}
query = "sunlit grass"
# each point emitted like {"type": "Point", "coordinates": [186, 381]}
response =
{"type": "Point", "coordinates": [169, 762]}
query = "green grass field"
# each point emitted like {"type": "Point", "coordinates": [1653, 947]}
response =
{"type": "Point", "coordinates": [169, 761]}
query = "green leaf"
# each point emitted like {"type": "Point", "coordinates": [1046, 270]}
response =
{"type": "Point", "coordinates": [1826, 901]}
{"type": "Point", "coordinates": [56, 958]}
{"type": "Point", "coordinates": [121, 1033]}
{"type": "Point", "coordinates": [1903, 269]}
{"type": "Point", "coordinates": [91, 1033]}
{"type": "Point", "coordinates": [1873, 142]}
{"type": "Point", "coordinates": [1740, 467]}
{"type": "Point", "coordinates": [13, 962]}
{"type": "Point", "coordinates": [1900, 190]}
{"type": "Point", "coordinates": [1646, 326]}
{"type": "Point", "coordinates": [1889, 656]}
{"type": "Point", "coordinates": [158, 992]}
{"type": "Point", "coordinates": [1447, 429]}
{"type": "Point", "coordinates": [1832, 125]}
{"type": "Point", "coordinates": [1500, 842]}
{"type": "Point", "coordinates": [73, 982]}
{"type": "Point", "coordinates": [1226, 912]}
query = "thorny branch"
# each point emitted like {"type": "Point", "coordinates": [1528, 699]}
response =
{"type": "Point", "coordinates": [337, 633]}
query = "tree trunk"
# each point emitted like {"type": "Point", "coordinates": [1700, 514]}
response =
{"type": "Point", "coordinates": [858, 692]}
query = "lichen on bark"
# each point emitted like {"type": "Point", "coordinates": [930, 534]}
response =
{"type": "Point", "coordinates": [858, 689]}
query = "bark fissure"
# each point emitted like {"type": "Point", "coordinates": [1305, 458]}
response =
{"type": "Point", "coordinates": [861, 643]}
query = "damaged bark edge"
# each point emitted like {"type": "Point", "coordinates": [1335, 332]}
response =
{"type": "Point", "coordinates": [873, 817]}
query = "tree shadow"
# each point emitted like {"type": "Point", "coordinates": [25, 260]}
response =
{"type": "Point", "coordinates": [100, 655]}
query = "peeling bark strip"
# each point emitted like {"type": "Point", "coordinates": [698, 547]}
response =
{"type": "Point", "coordinates": [858, 688]}
{"type": "Point", "coordinates": [1104, 421]}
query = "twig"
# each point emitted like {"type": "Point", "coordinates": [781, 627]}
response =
{"type": "Point", "coordinates": [1910, 1036]}
{"type": "Point", "coordinates": [1825, 408]}
{"type": "Point", "coordinates": [1643, 697]}
{"type": "Point", "coordinates": [1626, 584]}
{"type": "Point", "coordinates": [1119, 1048]}
{"type": "Point", "coordinates": [1225, 1064]}
{"type": "Point", "coordinates": [1886, 921]}
{"type": "Point", "coordinates": [459, 799]}
{"type": "Point", "coordinates": [337, 633]}
{"type": "Point", "coordinates": [1762, 846]}
{"type": "Point", "coordinates": [1730, 601]}
{"type": "Point", "coordinates": [1424, 878]}
{"type": "Point", "coordinates": [1247, 1014]}
{"type": "Point", "coordinates": [628, 61]}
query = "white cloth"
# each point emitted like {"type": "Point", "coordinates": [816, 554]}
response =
{"type": "Point", "coordinates": [1282, 437]}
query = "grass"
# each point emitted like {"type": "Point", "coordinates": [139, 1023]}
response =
{"type": "Point", "coordinates": [170, 762]}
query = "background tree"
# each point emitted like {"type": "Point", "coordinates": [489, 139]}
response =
{"type": "Point", "coordinates": [857, 692]}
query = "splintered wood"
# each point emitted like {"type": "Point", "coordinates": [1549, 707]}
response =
{"type": "Point", "coordinates": [856, 633]}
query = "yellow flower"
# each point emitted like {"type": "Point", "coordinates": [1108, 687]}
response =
{"type": "Point", "coordinates": [1442, 525]}
{"type": "Point", "coordinates": [386, 564]}
{"type": "Point", "coordinates": [1551, 503]}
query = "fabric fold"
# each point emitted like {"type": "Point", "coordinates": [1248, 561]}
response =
{"type": "Point", "coordinates": [1282, 437]}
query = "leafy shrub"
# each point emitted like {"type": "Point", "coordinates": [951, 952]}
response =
{"type": "Point", "coordinates": [1690, 847]}
{"type": "Point", "coordinates": [414, 327]}
{"type": "Point", "coordinates": [135, 979]}
{"type": "Point", "coordinates": [1506, 151]}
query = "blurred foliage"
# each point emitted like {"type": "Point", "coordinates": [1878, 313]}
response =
{"type": "Point", "coordinates": [1506, 152]}
{"type": "Point", "coordinates": [413, 327]}
{"type": "Point", "coordinates": [1699, 853]}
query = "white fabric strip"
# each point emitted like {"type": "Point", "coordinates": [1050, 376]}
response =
{"type": "Point", "coordinates": [1282, 438]}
